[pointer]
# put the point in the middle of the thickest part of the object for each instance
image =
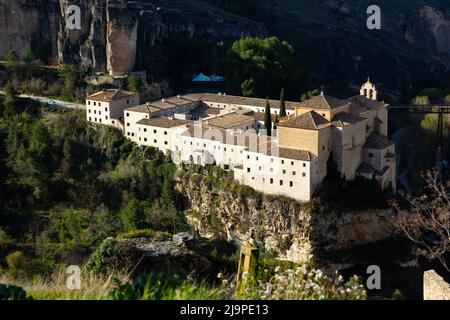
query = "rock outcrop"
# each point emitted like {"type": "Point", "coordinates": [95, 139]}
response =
{"type": "Point", "coordinates": [435, 287]}
{"type": "Point", "coordinates": [291, 229]}
{"type": "Point", "coordinates": [142, 255]}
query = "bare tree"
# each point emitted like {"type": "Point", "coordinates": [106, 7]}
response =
{"type": "Point", "coordinates": [427, 222]}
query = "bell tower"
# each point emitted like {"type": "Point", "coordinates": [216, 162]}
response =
{"type": "Point", "coordinates": [369, 90]}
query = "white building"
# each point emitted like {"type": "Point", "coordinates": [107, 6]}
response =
{"type": "Point", "coordinates": [226, 131]}
{"type": "Point", "coordinates": [107, 107]}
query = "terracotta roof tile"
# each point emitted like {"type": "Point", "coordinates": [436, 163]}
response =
{"type": "Point", "coordinates": [310, 121]}
{"type": "Point", "coordinates": [377, 141]}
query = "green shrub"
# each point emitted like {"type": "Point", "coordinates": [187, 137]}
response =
{"type": "Point", "coordinates": [15, 260]}
{"type": "Point", "coordinates": [163, 287]}
{"type": "Point", "coordinates": [99, 260]}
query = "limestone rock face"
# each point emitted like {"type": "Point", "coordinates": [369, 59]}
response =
{"type": "Point", "coordinates": [439, 25]}
{"type": "Point", "coordinates": [285, 226]}
{"type": "Point", "coordinates": [435, 287]}
{"type": "Point", "coordinates": [118, 35]}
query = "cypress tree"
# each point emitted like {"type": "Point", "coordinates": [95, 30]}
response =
{"type": "Point", "coordinates": [282, 104]}
{"type": "Point", "coordinates": [275, 122]}
{"type": "Point", "coordinates": [267, 118]}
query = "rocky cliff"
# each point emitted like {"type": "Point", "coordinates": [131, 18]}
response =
{"type": "Point", "coordinates": [412, 48]}
{"type": "Point", "coordinates": [114, 33]}
{"type": "Point", "coordinates": [291, 229]}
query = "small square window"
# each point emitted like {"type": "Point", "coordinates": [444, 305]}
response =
{"type": "Point", "coordinates": [155, 141]}
{"type": "Point", "coordinates": [128, 114]}
{"type": "Point", "coordinates": [294, 173]}
{"type": "Point", "coordinates": [303, 174]}
{"type": "Point", "coordinates": [304, 165]}
{"type": "Point", "coordinates": [292, 163]}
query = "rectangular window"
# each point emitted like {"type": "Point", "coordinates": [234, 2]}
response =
{"type": "Point", "coordinates": [303, 174]}
{"type": "Point", "coordinates": [165, 133]}
{"type": "Point", "coordinates": [106, 109]}
{"type": "Point", "coordinates": [106, 117]}
{"type": "Point", "coordinates": [271, 180]}
{"type": "Point", "coordinates": [90, 119]}
{"type": "Point", "coordinates": [284, 171]}
{"type": "Point", "coordinates": [281, 182]}
{"type": "Point", "coordinates": [155, 141]}
{"type": "Point", "coordinates": [292, 163]}
{"type": "Point", "coordinates": [145, 139]}
{"type": "Point", "coordinates": [248, 169]}
{"type": "Point", "coordinates": [282, 161]}
{"type": "Point", "coordinates": [166, 143]}
{"type": "Point", "coordinates": [145, 129]}
{"type": "Point", "coordinates": [291, 184]}
{"type": "Point", "coordinates": [293, 173]}
{"type": "Point", "coordinates": [154, 131]}
{"type": "Point", "coordinates": [128, 124]}
{"type": "Point", "coordinates": [128, 114]}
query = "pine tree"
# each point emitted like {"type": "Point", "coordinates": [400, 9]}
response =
{"type": "Point", "coordinates": [268, 118]}
{"type": "Point", "coordinates": [28, 55]}
{"type": "Point", "coordinates": [282, 104]}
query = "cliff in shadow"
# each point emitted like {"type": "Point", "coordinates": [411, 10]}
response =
{"type": "Point", "coordinates": [412, 50]}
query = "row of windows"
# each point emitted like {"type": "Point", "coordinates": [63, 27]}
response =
{"type": "Point", "coordinates": [272, 160]}
{"type": "Point", "coordinates": [95, 103]}
{"type": "Point", "coordinates": [154, 131]}
{"type": "Point", "coordinates": [95, 119]}
{"type": "Point", "coordinates": [271, 170]}
{"type": "Point", "coordinates": [99, 112]}
{"type": "Point", "coordinates": [281, 182]}
{"type": "Point", "coordinates": [155, 141]}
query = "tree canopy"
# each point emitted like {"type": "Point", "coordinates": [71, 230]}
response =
{"type": "Point", "coordinates": [262, 67]}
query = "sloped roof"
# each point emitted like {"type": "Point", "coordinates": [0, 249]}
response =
{"type": "Point", "coordinates": [229, 120]}
{"type": "Point", "coordinates": [377, 141]}
{"type": "Point", "coordinates": [322, 102]}
{"type": "Point", "coordinates": [366, 168]}
{"type": "Point", "coordinates": [111, 95]}
{"type": "Point", "coordinates": [310, 121]}
{"type": "Point", "coordinates": [163, 122]}
{"type": "Point", "coordinates": [343, 118]}
{"type": "Point", "coordinates": [361, 104]}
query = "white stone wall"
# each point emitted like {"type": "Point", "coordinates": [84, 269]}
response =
{"type": "Point", "coordinates": [103, 112]}
{"type": "Point", "coordinates": [165, 139]}
{"type": "Point", "coordinates": [275, 175]}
